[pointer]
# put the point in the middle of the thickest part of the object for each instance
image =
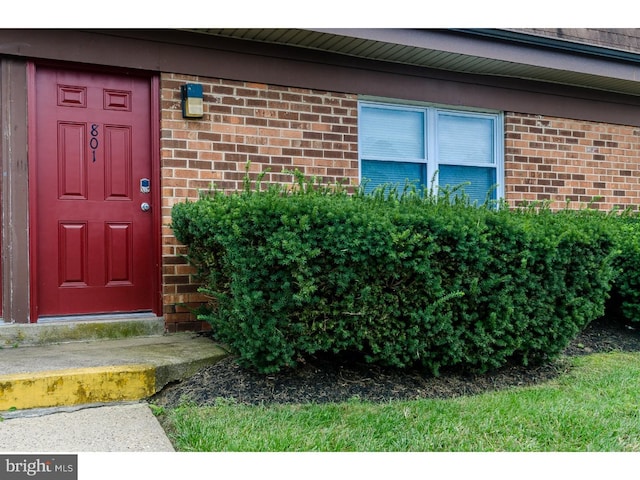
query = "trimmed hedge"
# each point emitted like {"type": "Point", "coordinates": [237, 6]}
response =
{"type": "Point", "coordinates": [404, 279]}
{"type": "Point", "coordinates": [625, 301]}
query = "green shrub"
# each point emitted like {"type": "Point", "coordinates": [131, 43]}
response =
{"type": "Point", "coordinates": [404, 279]}
{"type": "Point", "coordinates": [625, 297]}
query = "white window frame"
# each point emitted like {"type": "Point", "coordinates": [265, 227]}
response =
{"type": "Point", "coordinates": [430, 136]}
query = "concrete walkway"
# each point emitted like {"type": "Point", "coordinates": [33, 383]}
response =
{"type": "Point", "coordinates": [90, 396]}
{"type": "Point", "coordinates": [121, 427]}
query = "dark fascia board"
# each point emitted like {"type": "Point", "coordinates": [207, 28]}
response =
{"type": "Point", "coordinates": [553, 43]}
{"type": "Point", "coordinates": [147, 51]}
{"type": "Point", "coordinates": [511, 47]}
{"type": "Point", "coordinates": [533, 56]}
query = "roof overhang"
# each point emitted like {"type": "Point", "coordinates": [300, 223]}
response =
{"type": "Point", "coordinates": [491, 52]}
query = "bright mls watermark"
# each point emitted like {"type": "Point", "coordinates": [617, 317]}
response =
{"type": "Point", "coordinates": [49, 467]}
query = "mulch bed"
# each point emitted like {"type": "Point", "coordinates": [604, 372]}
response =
{"type": "Point", "coordinates": [321, 380]}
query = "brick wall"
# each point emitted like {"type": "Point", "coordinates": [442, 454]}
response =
{"type": "Point", "coordinates": [274, 128]}
{"type": "Point", "coordinates": [560, 160]}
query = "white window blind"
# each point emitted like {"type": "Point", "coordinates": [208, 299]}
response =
{"type": "Point", "coordinates": [392, 133]}
{"type": "Point", "coordinates": [464, 139]}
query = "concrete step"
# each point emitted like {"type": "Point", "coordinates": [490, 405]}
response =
{"type": "Point", "coordinates": [100, 370]}
{"type": "Point", "coordinates": [80, 329]}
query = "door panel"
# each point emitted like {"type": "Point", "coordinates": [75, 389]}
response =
{"type": "Point", "coordinates": [93, 241]}
{"type": "Point", "coordinates": [72, 260]}
{"type": "Point", "coordinates": [117, 154]}
{"type": "Point", "coordinates": [72, 173]}
{"type": "Point", "coordinates": [118, 253]}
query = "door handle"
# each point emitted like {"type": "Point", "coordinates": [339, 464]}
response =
{"type": "Point", "coordinates": [145, 207]}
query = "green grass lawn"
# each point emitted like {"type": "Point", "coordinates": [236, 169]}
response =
{"type": "Point", "coordinates": [593, 408]}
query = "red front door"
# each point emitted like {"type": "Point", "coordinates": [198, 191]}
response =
{"type": "Point", "coordinates": [93, 179]}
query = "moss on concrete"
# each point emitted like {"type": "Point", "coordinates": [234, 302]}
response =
{"type": "Point", "coordinates": [42, 334]}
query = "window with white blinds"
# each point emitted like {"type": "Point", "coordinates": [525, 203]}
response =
{"type": "Point", "coordinates": [459, 150]}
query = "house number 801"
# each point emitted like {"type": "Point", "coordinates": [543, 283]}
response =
{"type": "Point", "coordinates": [93, 143]}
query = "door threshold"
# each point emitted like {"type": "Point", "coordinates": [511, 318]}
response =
{"type": "Point", "coordinates": [103, 317]}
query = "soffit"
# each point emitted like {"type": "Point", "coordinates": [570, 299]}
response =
{"type": "Point", "coordinates": [465, 52]}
